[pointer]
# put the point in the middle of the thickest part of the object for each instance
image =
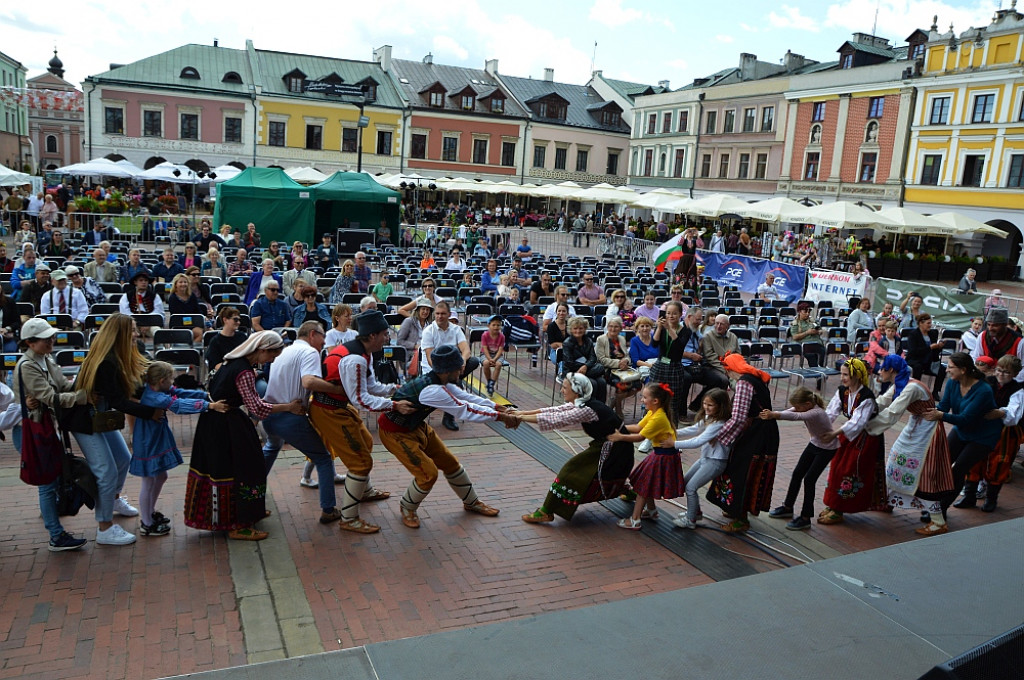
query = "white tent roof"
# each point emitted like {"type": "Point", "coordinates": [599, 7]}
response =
{"type": "Point", "coordinates": [844, 215]}
{"type": "Point", "coordinates": [778, 209]}
{"type": "Point", "coordinates": [99, 167]}
{"type": "Point", "coordinates": [715, 205]}
{"type": "Point", "coordinates": [966, 225]}
{"type": "Point", "coordinates": [12, 178]}
{"type": "Point", "coordinates": [306, 175]}
{"type": "Point", "coordinates": [225, 172]}
{"type": "Point", "coordinates": [164, 172]}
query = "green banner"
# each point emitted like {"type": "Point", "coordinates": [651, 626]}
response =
{"type": "Point", "coordinates": [948, 309]}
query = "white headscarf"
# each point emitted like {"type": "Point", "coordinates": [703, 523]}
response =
{"type": "Point", "coordinates": [582, 386]}
{"type": "Point", "coordinates": [254, 343]}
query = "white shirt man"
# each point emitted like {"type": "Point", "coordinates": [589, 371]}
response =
{"type": "Point", "coordinates": [441, 332]}
{"type": "Point", "coordinates": [63, 296]}
{"type": "Point", "coordinates": [767, 290]}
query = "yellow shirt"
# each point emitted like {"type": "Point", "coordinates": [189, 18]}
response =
{"type": "Point", "coordinates": [656, 427]}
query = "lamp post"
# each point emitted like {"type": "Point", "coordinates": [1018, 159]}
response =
{"type": "Point", "coordinates": [416, 186]}
{"type": "Point", "coordinates": [200, 175]}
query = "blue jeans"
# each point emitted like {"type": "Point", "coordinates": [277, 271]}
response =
{"type": "Point", "coordinates": [47, 495]}
{"type": "Point", "coordinates": [108, 458]}
{"type": "Point", "coordinates": [297, 431]}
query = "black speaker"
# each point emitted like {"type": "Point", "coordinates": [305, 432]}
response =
{"type": "Point", "coordinates": [1001, 658]}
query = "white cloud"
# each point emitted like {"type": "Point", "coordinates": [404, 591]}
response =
{"type": "Point", "coordinates": [679, 64]}
{"type": "Point", "coordinates": [724, 38]}
{"type": "Point", "coordinates": [446, 46]}
{"type": "Point", "coordinates": [791, 17]}
{"type": "Point", "coordinates": [748, 27]}
{"type": "Point", "coordinates": [612, 14]}
{"type": "Point", "coordinates": [898, 18]}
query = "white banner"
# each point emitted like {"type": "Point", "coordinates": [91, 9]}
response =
{"type": "Point", "coordinates": [834, 286]}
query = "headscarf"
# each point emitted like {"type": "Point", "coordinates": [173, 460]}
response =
{"type": "Point", "coordinates": [737, 364]}
{"type": "Point", "coordinates": [254, 343]}
{"type": "Point", "coordinates": [582, 386]}
{"type": "Point", "coordinates": [897, 364]}
{"type": "Point", "coordinates": [859, 371]}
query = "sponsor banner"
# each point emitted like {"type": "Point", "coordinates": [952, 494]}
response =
{"type": "Point", "coordinates": [747, 273]}
{"type": "Point", "coordinates": [948, 310]}
{"type": "Point", "coordinates": [836, 287]}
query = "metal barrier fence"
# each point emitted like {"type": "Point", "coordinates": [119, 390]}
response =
{"type": "Point", "coordinates": [125, 224]}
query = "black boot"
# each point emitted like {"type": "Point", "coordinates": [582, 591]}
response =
{"type": "Point", "coordinates": [970, 499]}
{"type": "Point", "coordinates": [990, 498]}
{"type": "Point", "coordinates": [449, 422]}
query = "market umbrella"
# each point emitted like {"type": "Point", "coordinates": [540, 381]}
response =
{"type": "Point", "coordinates": [164, 172]}
{"type": "Point", "coordinates": [844, 215]}
{"type": "Point", "coordinates": [715, 205]}
{"type": "Point", "coordinates": [906, 221]}
{"type": "Point", "coordinates": [966, 225]}
{"type": "Point", "coordinates": [306, 175]}
{"type": "Point", "coordinates": [658, 199]}
{"type": "Point", "coordinates": [98, 167]}
{"type": "Point", "coordinates": [778, 209]}
{"type": "Point", "coordinates": [225, 172]}
{"type": "Point", "coordinates": [12, 178]}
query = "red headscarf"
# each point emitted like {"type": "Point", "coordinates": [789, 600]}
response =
{"type": "Point", "coordinates": [737, 364]}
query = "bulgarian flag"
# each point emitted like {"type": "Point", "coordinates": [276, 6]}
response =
{"type": "Point", "coordinates": [667, 252]}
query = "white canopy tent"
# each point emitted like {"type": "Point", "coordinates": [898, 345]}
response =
{"type": "Point", "coordinates": [306, 175]}
{"type": "Point", "coordinates": [225, 172]}
{"type": "Point", "coordinates": [100, 167]}
{"type": "Point", "coordinates": [775, 210]}
{"type": "Point", "coordinates": [715, 205]}
{"type": "Point", "coordinates": [12, 178]}
{"type": "Point", "coordinates": [164, 172]}
{"type": "Point", "coordinates": [966, 225]}
{"type": "Point", "coordinates": [844, 215]}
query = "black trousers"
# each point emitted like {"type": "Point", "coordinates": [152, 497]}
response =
{"type": "Point", "coordinates": [706, 376]}
{"type": "Point", "coordinates": [919, 369]}
{"type": "Point", "coordinates": [812, 463]}
{"type": "Point", "coordinates": [965, 455]}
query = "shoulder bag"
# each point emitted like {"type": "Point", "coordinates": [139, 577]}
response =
{"type": "Point", "coordinates": [42, 451]}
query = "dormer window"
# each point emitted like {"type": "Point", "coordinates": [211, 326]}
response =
{"type": "Point", "coordinates": [916, 51]}
{"type": "Point", "coordinates": [369, 88]}
{"type": "Point", "coordinates": [468, 101]}
{"type": "Point", "coordinates": [333, 79]}
{"type": "Point", "coordinates": [549, 106]}
{"type": "Point", "coordinates": [190, 73]}
{"type": "Point", "coordinates": [437, 100]}
{"type": "Point", "coordinates": [294, 80]}
{"type": "Point", "coordinates": [610, 118]}
{"type": "Point", "coordinates": [231, 77]}
{"type": "Point", "coordinates": [434, 94]}
{"type": "Point", "coordinates": [497, 105]}
{"type": "Point", "coordinates": [846, 60]}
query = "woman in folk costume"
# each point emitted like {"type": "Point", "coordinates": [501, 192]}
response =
{"type": "Point", "coordinates": [596, 473]}
{"type": "Point", "coordinates": [917, 470]}
{"type": "Point", "coordinates": [995, 469]}
{"type": "Point", "coordinates": [856, 480]}
{"type": "Point", "coordinates": [746, 485]}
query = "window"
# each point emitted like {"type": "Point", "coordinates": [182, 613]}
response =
{"type": "Point", "coordinates": [818, 112]}
{"type": "Point", "coordinates": [468, 101]}
{"type": "Point", "coordinates": [662, 160]}
{"type": "Point", "coordinates": [581, 160]}
{"type": "Point", "coordinates": [1016, 177]}
{"type": "Point", "coordinates": [811, 166]}
{"type": "Point", "coordinates": [679, 166]}
{"type": "Point", "coordinates": [729, 121]}
{"type": "Point", "coordinates": [1020, 115]}
{"type": "Point", "coordinates": [613, 164]}
{"type": "Point", "coordinates": [233, 130]}
{"type": "Point", "coordinates": [974, 169]}
{"type": "Point", "coordinates": [275, 133]}
{"type": "Point", "coordinates": [370, 91]}
{"type": "Point", "coordinates": [744, 170]}
{"type": "Point", "coordinates": [767, 118]}
{"type": "Point", "coordinates": [350, 139]}
{"type": "Point", "coordinates": [449, 148]}
{"type": "Point", "coordinates": [816, 134]}
{"type": "Point", "coordinates": [508, 154]}
{"type": "Point", "coordinates": [113, 120]}
{"type": "Point", "coordinates": [384, 142]}
{"type": "Point", "coordinates": [916, 51]}
{"type": "Point", "coordinates": [666, 122]}
{"type": "Point", "coordinates": [232, 77]}
{"type": "Point", "coordinates": [611, 118]}
{"type": "Point", "coordinates": [723, 166]}
{"type": "Point", "coordinates": [868, 161]}
{"type": "Point", "coordinates": [190, 73]}
{"type": "Point", "coordinates": [749, 119]}
{"type": "Point", "coordinates": [51, 144]}
{"type": "Point", "coordinates": [418, 146]}
{"type": "Point", "coordinates": [684, 120]}
{"type": "Point", "coordinates": [314, 136]}
{"type": "Point", "coordinates": [761, 169]}
{"type": "Point", "coordinates": [648, 162]}
{"type": "Point", "coordinates": [705, 165]}
{"type": "Point", "coordinates": [846, 61]}
{"type": "Point", "coordinates": [294, 84]}
{"type": "Point", "coordinates": [712, 122]}
{"type": "Point", "coordinates": [539, 153]}
{"type": "Point", "coordinates": [940, 111]}
{"type": "Point", "coordinates": [875, 107]}
{"type": "Point", "coordinates": [152, 124]}
{"type": "Point", "coordinates": [437, 99]}
{"type": "Point", "coordinates": [189, 126]}
{"type": "Point", "coordinates": [480, 151]}
{"type": "Point", "coordinates": [652, 121]}
{"type": "Point", "coordinates": [497, 105]}
{"type": "Point", "coordinates": [930, 171]}
{"type": "Point", "coordinates": [982, 111]}
{"type": "Point", "coordinates": [560, 155]}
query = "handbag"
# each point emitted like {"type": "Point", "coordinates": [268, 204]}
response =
{"type": "Point", "coordinates": [627, 375]}
{"type": "Point", "coordinates": [104, 420]}
{"type": "Point", "coordinates": [42, 450]}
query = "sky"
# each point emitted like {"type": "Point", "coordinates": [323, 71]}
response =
{"type": "Point", "coordinates": [637, 40]}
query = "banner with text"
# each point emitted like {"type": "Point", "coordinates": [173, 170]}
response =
{"type": "Point", "coordinates": [747, 273]}
{"type": "Point", "coordinates": [836, 287]}
{"type": "Point", "coordinates": [948, 310]}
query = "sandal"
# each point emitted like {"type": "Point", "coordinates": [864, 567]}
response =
{"type": "Point", "coordinates": [830, 517]}
{"type": "Point", "coordinates": [649, 514]}
{"type": "Point", "coordinates": [482, 508]}
{"type": "Point", "coordinates": [410, 519]}
{"type": "Point", "coordinates": [736, 526]}
{"type": "Point", "coordinates": [629, 523]}
{"type": "Point", "coordinates": [374, 494]}
{"type": "Point", "coordinates": [538, 517]}
{"type": "Point", "coordinates": [247, 534]}
{"type": "Point", "coordinates": [932, 529]}
{"type": "Point", "coordinates": [358, 526]}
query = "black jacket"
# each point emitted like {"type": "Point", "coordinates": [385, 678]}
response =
{"type": "Point", "coordinates": [107, 388]}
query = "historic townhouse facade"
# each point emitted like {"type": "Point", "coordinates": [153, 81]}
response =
{"type": "Point", "coordinates": [966, 149]}
{"type": "Point", "coordinates": [848, 125]}
{"type": "Point", "coordinates": [15, 150]}
{"type": "Point", "coordinates": [56, 118]}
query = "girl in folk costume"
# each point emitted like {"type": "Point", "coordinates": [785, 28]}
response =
{"type": "Point", "coordinates": [995, 469]}
{"type": "Point", "coordinates": [714, 412]}
{"type": "Point", "coordinates": [856, 480]}
{"type": "Point", "coordinates": [746, 485]}
{"type": "Point", "coordinates": [917, 470]}
{"type": "Point", "coordinates": [660, 474]}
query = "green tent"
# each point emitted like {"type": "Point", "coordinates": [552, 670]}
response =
{"type": "Point", "coordinates": [357, 198]}
{"type": "Point", "coordinates": [281, 208]}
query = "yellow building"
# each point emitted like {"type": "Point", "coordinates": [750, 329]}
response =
{"type": "Point", "coordinates": [308, 113]}
{"type": "Point", "coordinates": [966, 149]}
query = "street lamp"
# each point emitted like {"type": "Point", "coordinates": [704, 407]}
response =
{"type": "Point", "coordinates": [416, 186]}
{"type": "Point", "coordinates": [177, 173]}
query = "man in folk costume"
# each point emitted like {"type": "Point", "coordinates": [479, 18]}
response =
{"type": "Point", "coordinates": [415, 444]}
{"type": "Point", "coordinates": [142, 300]}
{"type": "Point", "coordinates": [996, 341]}
{"type": "Point", "coordinates": [337, 419]}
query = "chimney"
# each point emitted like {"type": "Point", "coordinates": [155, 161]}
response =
{"type": "Point", "coordinates": [382, 55]}
{"type": "Point", "coordinates": [663, 84]}
{"type": "Point", "coordinates": [115, 66]}
{"type": "Point", "coordinates": [549, 75]}
{"type": "Point", "coordinates": [216, 43]}
{"type": "Point", "coordinates": [597, 73]}
{"type": "Point", "coordinates": [429, 59]}
{"type": "Point", "coordinates": [871, 40]}
{"type": "Point", "coordinates": [491, 66]}
{"type": "Point", "coordinates": [748, 66]}
{"type": "Point", "coordinates": [793, 61]}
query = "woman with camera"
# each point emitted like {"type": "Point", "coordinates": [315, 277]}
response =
{"type": "Point", "coordinates": [807, 332]}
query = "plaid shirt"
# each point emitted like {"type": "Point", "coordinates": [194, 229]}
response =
{"type": "Point", "coordinates": [566, 415]}
{"type": "Point", "coordinates": [738, 421]}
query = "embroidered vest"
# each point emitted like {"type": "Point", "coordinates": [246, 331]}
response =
{"type": "Point", "coordinates": [606, 423]}
{"type": "Point", "coordinates": [862, 394]}
{"type": "Point", "coordinates": [333, 375]}
{"type": "Point", "coordinates": [998, 349]}
{"type": "Point", "coordinates": [410, 392]}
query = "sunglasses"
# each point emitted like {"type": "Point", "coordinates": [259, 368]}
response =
{"type": "Point", "coordinates": [273, 290]}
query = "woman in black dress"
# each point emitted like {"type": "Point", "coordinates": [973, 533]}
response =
{"type": "Point", "coordinates": [923, 348]}
{"type": "Point", "coordinates": [579, 356]}
{"type": "Point", "coordinates": [230, 337]}
{"type": "Point", "coordinates": [227, 478]}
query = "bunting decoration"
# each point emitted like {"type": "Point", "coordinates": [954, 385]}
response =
{"type": "Point", "coordinates": [49, 100]}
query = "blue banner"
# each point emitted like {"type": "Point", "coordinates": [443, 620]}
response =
{"type": "Point", "coordinates": [747, 273]}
